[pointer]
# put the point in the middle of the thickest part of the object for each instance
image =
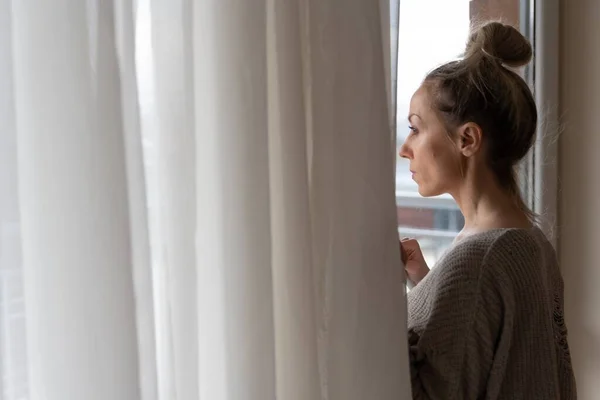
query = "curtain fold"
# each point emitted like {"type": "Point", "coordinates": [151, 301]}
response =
{"type": "Point", "coordinates": [174, 142]}
{"type": "Point", "coordinates": [293, 293]}
{"type": "Point", "coordinates": [79, 296]}
{"type": "Point", "coordinates": [354, 232]}
{"type": "Point", "coordinates": [125, 46]}
{"type": "Point", "coordinates": [233, 236]}
{"type": "Point", "coordinates": [203, 195]}
{"type": "Point", "coordinates": [13, 346]}
{"type": "Point", "coordinates": [299, 287]}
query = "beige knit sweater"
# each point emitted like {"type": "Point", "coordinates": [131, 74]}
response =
{"type": "Point", "coordinates": [487, 322]}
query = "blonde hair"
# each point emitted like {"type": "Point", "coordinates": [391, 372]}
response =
{"type": "Point", "coordinates": [482, 88]}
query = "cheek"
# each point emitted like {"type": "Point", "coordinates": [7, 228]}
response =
{"type": "Point", "coordinates": [435, 161]}
{"type": "Point", "coordinates": [447, 165]}
{"type": "Point", "coordinates": [443, 164]}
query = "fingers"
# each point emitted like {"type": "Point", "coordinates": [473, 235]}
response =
{"type": "Point", "coordinates": [410, 244]}
{"type": "Point", "coordinates": [409, 248]}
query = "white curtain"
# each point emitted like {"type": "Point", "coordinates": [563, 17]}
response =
{"type": "Point", "coordinates": [217, 222]}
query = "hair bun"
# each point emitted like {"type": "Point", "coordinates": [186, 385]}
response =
{"type": "Point", "coordinates": [500, 41]}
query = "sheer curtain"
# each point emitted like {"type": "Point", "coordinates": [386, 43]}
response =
{"type": "Point", "coordinates": [215, 223]}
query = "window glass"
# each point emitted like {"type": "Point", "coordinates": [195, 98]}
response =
{"type": "Point", "coordinates": [432, 32]}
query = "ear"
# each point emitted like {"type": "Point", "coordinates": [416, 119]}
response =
{"type": "Point", "coordinates": [470, 139]}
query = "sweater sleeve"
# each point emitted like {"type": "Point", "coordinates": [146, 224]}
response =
{"type": "Point", "coordinates": [452, 353]}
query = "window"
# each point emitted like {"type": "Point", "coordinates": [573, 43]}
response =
{"type": "Point", "coordinates": [431, 32]}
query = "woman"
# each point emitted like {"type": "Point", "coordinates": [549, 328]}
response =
{"type": "Point", "coordinates": [487, 322]}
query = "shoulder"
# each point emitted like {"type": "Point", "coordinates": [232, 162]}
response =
{"type": "Point", "coordinates": [506, 241]}
{"type": "Point", "coordinates": [500, 245]}
{"type": "Point", "coordinates": [494, 254]}
{"type": "Point", "coordinates": [489, 262]}
{"type": "Point", "coordinates": [518, 250]}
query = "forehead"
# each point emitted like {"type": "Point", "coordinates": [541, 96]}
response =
{"type": "Point", "coordinates": [420, 103]}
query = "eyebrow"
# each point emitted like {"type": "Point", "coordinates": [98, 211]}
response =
{"type": "Point", "coordinates": [413, 115]}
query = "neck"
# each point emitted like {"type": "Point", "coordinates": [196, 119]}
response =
{"type": "Point", "coordinates": [485, 205]}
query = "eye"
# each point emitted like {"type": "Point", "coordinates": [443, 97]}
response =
{"type": "Point", "coordinates": [413, 129]}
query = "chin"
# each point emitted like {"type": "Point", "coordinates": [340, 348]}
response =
{"type": "Point", "coordinates": [429, 192]}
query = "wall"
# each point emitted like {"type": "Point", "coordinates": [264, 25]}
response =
{"type": "Point", "coordinates": [579, 173]}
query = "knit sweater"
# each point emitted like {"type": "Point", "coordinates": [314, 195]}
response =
{"type": "Point", "coordinates": [487, 322]}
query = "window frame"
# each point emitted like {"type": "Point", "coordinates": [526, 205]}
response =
{"type": "Point", "coordinates": [539, 171]}
{"type": "Point", "coordinates": [545, 161]}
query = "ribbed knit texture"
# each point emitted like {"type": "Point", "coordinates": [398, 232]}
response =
{"type": "Point", "coordinates": [487, 322]}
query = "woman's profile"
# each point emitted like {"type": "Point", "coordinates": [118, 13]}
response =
{"type": "Point", "coordinates": [487, 322]}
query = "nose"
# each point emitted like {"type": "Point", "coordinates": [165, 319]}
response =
{"type": "Point", "coordinates": [405, 151]}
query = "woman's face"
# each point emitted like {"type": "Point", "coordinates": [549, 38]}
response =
{"type": "Point", "coordinates": [433, 155]}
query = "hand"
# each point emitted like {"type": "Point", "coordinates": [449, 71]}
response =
{"type": "Point", "coordinates": [414, 263]}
